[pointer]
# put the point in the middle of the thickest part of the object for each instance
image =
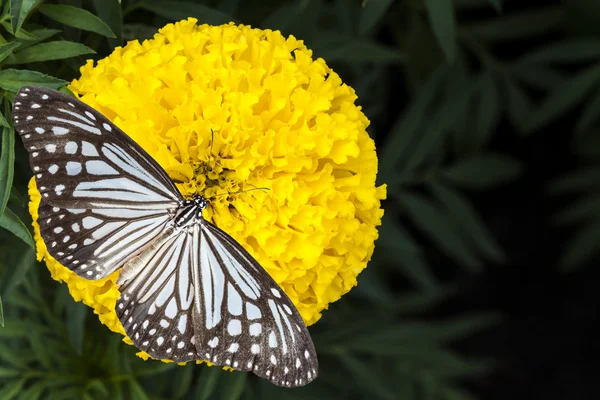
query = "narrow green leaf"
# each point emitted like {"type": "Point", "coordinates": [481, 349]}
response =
{"type": "Point", "coordinates": [497, 4]}
{"type": "Point", "coordinates": [437, 127]}
{"type": "Point", "coordinates": [23, 258]}
{"type": "Point", "coordinates": [568, 51]}
{"type": "Point", "coordinates": [518, 25]}
{"type": "Point", "coordinates": [336, 47]}
{"type": "Point", "coordinates": [13, 224]}
{"type": "Point", "coordinates": [438, 227]}
{"type": "Point", "coordinates": [372, 12]}
{"type": "Point", "coordinates": [518, 103]}
{"type": "Point", "coordinates": [582, 247]}
{"type": "Point", "coordinates": [416, 270]}
{"type": "Point", "coordinates": [564, 98]}
{"type": "Point", "coordinates": [1, 313]}
{"type": "Point", "coordinates": [7, 49]}
{"type": "Point", "coordinates": [585, 209]}
{"type": "Point", "coordinates": [77, 18]}
{"type": "Point", "coordinates": [542, 77]}
{"type": "Point", "coordinates": [443, 24]}
{"type": "Point", "coordinates": [56, 50]}
{"type": "Point", "coordinates": [183, 381]}
{"type": "Point", "coordinates": [207, 383]}
{"type": "Point", "coordinates": [19, 10]}
{"type": "Point", "coordinates": [35, 391]}
{"type": "Point", "coordinates": [483, 171]}
{"type": "Point", "coordinates": [285, 15]}
{"type": "Point", "coordinates": [76, 313]}
{"type": "Point", "coordinates": [7, 161]}
{"type": "Point", "coordinates": [9, 373]}
{"type": "Point", "coordinates": [406, 128]}
{"type": "Point", "coordinates": [236, 386]}
{"type": "Point", "coordinates": [112, 14]}
{"type": "Point", "coordinates": [581, 180]}
{"type": "Point", "coordinates": [136, 391]}
{"type": "Point", "coordinates": [464, 214]}
{"type": "Point", "coordinates": [3, 122]}
{"type": "Point", "coordinates": [12, 389]}
{"type": "Point", "coordinates": [489, 109]}
{"type": "Point", "coordinates": [366, 378]}
{"type": "Point", "coordinates": [13, 79]}
{"type": "Point", "coordinates": [177, 10]}
{"type": "Point", "coordinates": [590, 114]}
{"type": "Point", "coordinates": [11, 356]}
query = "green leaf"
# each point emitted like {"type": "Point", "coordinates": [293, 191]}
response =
{"type": "Point", "coordinates": [7, 163]}
{"type": "Point", "coordinates": [340, 47]}
{"type": "Point", "coordinates": [137, 392]}
{"type": "Point", "coordinates": [489, 109]}
{"type": "Point", "coordinates": [372, 12]}
{"type": "Point", "coordinates": [583, 209]}
{"type": "Point", "coordinates": [537, 76]}
{"type": "Point", "coordinates": [111, 13]}
{"type": "Point", "coordinates": [12, 223]}
{"type": "Point", "coordinates": [582, 180]}
{"type": "Point", "coordinates": [1, 313]}
{"type": "Point", "coordinates": [76, 313]}
{"type": "Point", "coordinates": [7, 49]}
{"type": "Point", "coordinates": [406, 128]}
{"type": "Point", "coordinates": [285, 15]}
{"type": "Point", "coordinates": [19, 10]}
{"type": "Point", "coordinates": [4, 124]}
{"type": "Point", "coordinates": [590, 114]}
{"type": "Point", "coordinates": [22, 259]}
{"type": "Point", "coordinates": [518, 25]}
{"type": "Point", "coordinates": [438, 227]}
{"type": "Point", "coordinates": [564, 98]}
{"type": "Point", "coordinates": [14, 79]}
{"type": "Point", "coordinates": [178, 10]}
{"type": "Point", "coordinates": [77, 18]}
{"type": "Point", "coordinates": [582, 247]}
{"type": "Point", "coordinates": [365, 377]}
{"type": "Point", "coordinates": [568, 51]}
{"type": "Point", "coordinates": [483, 171]}
{"type": "Point", "coordinates": [183, 381]}
{"type": "Point", "coordinates": [56, 50]}
{"type": "Point", "coordinates": [464, 215]}
{"type": "Point", "coordinates": [237, 383]}
{"type": "Point", "coordinates": [207, 383]}
{"type": "Point", "coordinates": [439, 124]}
{"type": "Point", "coordinates": [12, 389]}
{"type": "Point", "coordinates": [443, 24]}
{"type": "Point", "coordinates": [518, 103]}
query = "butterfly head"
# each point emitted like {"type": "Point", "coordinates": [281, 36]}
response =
{"type": "Point", "coordinates": [200, 202]}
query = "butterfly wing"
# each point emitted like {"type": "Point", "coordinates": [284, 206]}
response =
{"type": "Point", "coordinates": [96, 183]}
{"type": "Point", "coordinates": [155, 306]}
{"type": "Point", "coordinates": [242, 318]}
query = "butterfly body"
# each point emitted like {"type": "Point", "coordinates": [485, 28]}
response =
{"type": "Point", "coordinates": [189, 291]}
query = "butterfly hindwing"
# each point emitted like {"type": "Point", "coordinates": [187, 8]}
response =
{"type": "Point", "coordinates": [155, 306]}
{"type": "Point", "coordinates": [244, 319]}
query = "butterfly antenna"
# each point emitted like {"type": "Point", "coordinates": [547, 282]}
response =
{"type": "Point", "coordinates": [242, 191]}
{"type": "Point", "coordinates": [212, 142]}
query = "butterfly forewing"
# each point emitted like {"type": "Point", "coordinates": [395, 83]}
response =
{"type": "Point", "coordinates": [103, 197]}
{"type": "Point", "coordinates": [81, 160]}
{"type": "Point", "coordinates": [188, 290]}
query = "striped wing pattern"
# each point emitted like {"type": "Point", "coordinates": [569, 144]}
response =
{"type": "Point", "coordinates": [188, 290]}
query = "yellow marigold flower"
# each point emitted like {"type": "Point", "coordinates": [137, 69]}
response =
{"type": "Point", "coordinates": [280, 119]}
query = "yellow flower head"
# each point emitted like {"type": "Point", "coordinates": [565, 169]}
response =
{"type": "Point", "coordinates": [280, 120]}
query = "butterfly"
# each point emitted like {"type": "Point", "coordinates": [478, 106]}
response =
{"type": "Point", "coordinates": [189, 291]}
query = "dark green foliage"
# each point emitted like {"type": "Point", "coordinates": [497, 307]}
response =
{"type": "Point", "coordinates": [453, 91]}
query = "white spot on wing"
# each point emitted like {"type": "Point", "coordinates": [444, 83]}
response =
{"type": "Point", "coordinates": [59, 130]}
{"type": "Point", "coordinates": [91, 222]}
{"type": "Point", "coordinates": [73, 168]}
{"type": "Point", "coordinates": [252, 312]}
{"type": "Point", "coordinates": [71, 148]}
{"type": "Point", "coordinates": [255, 329]}
{"type": "Point", "coordinates": [234, 327]}
{"type": "Point", "coordinates": [50, 148]}
{"type": "Point", "coordinates": [88, 149]}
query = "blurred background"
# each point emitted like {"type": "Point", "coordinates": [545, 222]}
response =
{"type": "Point", "coordinates": [483, 282]}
